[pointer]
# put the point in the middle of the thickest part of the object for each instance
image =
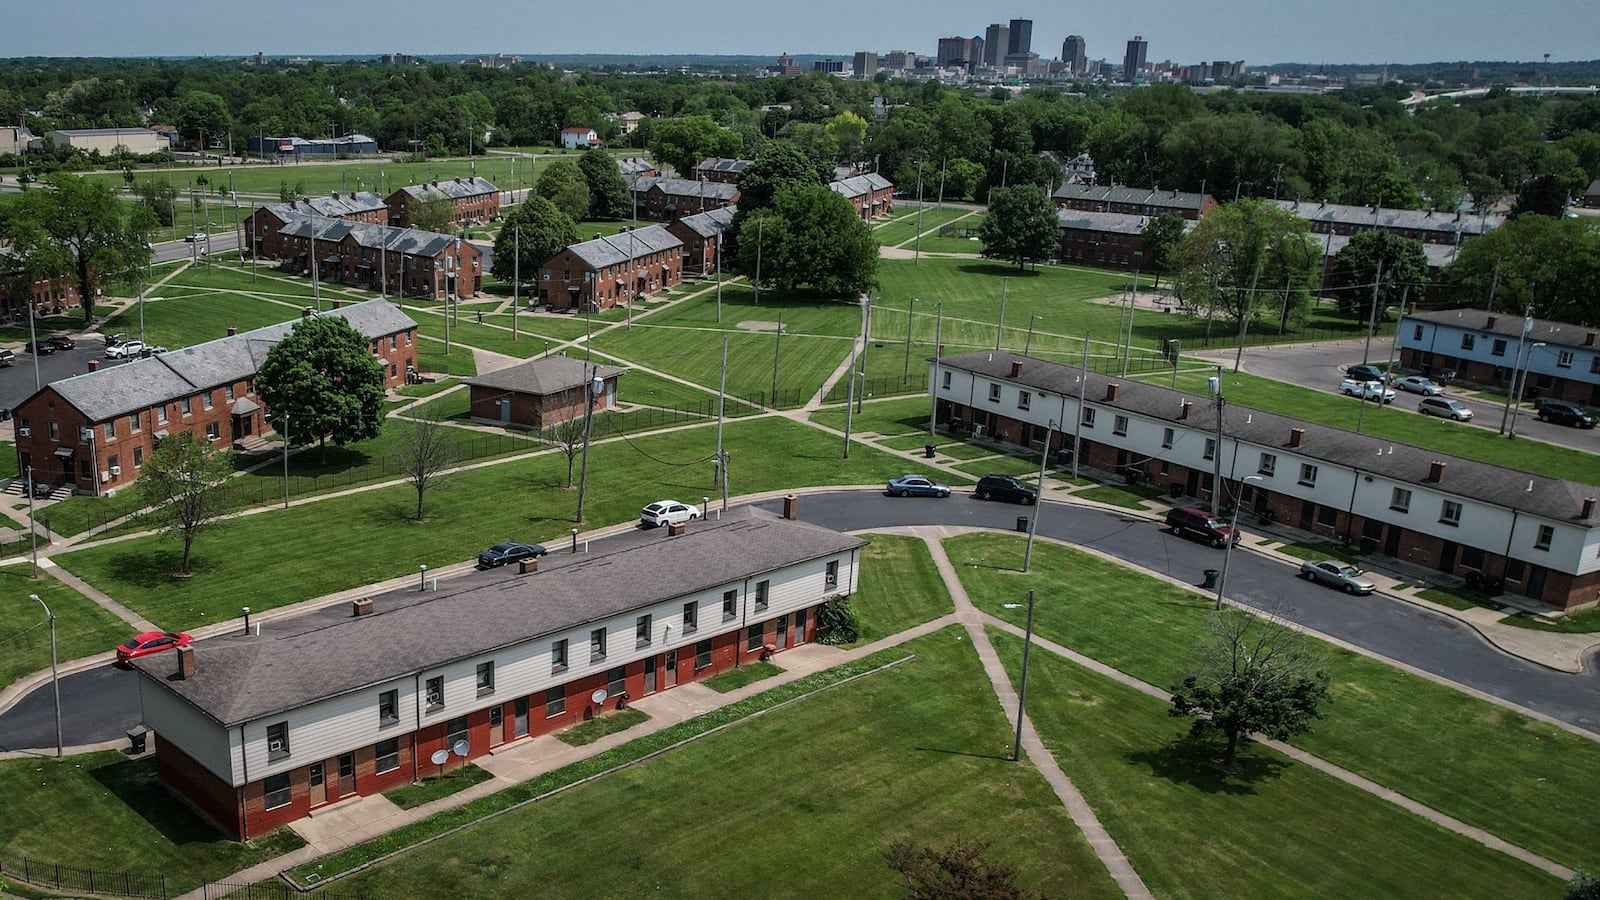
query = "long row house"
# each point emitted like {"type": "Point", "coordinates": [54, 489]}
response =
{"type": "Point", "coordinates": [303, 238]}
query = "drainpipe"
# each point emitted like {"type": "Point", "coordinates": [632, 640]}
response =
{"type": "Point", "coordinates": [1350, 509]}
{"type": "Point", "coordinates": [744, 622]}
{"type": "Point", "coordinates": [416, 699]}
{"type": "Point", "coordinates": [244, 805]}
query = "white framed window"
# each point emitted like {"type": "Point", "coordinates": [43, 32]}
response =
{"type": "Point", "coordinates": [947, 379]}
{"type": "Point", "coordinates": [485, 678]}
{"type": "Point", "coordinates": [1088, 417]}
{"type": "Point", "coordinates": [1268, 465]}
{"type": "Point", "coordinates": [1167, 437]}
{"type": "Point", "coordinates": [386, 755]}
{"type": "Point", "coordinates": [641, 630]}
{"type": "Point", "coordinates": [1400, 500]}
{"type": "Point", "coordinates": [1564, 359]}
{"type": "Point", "coordinates": [597, 644]}
{"type": "Point", "coordinates": [558, 656]}
{"type": "Point", "coordinates": [1308, 474]}
{"type": "Point", "coordinates": [1468, 340]}
{"type": "Point", "coordinates": [1119, 425]}
{"type": "Point", "coordinates": [994, 393]}
{"type": "Point", "coordinates": [691, 617]}
{"type": "Point", "coordinates": [1024, 400]}
{"type": "Point", "coordinates": [763, 592]}
{"type": "Point", "coordinates": [1547, 534]}
{"type": "Point", "coordinates": [433, 692]}
{"type": "Point", "coordinates": [1450, 513]}
{"type": "Point", "coordinates": [730, 605]}
{"type": "Point", "coordinates": [1498, 348]}
{"type": "Point", "coordinates": [278, 741]}
{"type": "Point", "coordinates": [830, 578]}
{"type": "Point", "coordinates": [388, 708]}
{"type": "Point", "coordinates": [1211, 448]}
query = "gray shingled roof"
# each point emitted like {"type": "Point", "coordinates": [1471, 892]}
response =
{"type": "Point", "coordinates": [1101, 193]}
{"type": "Point", "coordinates": [143, 383]}
{"type": "Point", "coordinates": [859, 185]}
{"type": "Point", "coordinates": [544, 377]}
{"type": "Point", "coordinates": [1115, 223]}
{"type": "Point", "coordinates": [710, 223]}
{"type": "Point", "coordinates": [1556, 334]}
{"type": "Point", "coordinates": [718, 164]}
{"type": "Point", "coordinates": [1552, 498]}
{"type": "Point", "coordinates": [347, 204]}
{"type": "Point", "coordinates": [619, 248]}
{"type": "Point", "coordinates": [633, 166]}
{"type": "Point", "coordinates": [1457, 223]}
{"type": "Point", "coordinates": [688, 187]}
{"type": "Point", "coordinates": [1439, 255]}
{"type": "Point", "coordinates": [313, 656]}
{"type": "Point", "coordinates": [395, 240]}
{"type": "Point", "coordinates": [451, 188]}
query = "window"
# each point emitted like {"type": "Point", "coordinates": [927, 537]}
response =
{"type": "Point", "coordinates": [1024, 400]}
{"type": "Point", "coordinates": [753, 636]}
{"type": "Point", "coordinates": [278, 741]}
{"type": "Point", "coordinates": [133, 420]}
{"type": "Point", "coordinates": [1498, 348]}
{"type": "Point", "coordinates": [1564, 359]}
{"type": "Point", "coordinates": [641, 630]}
{"type": "Point", "coordinates": [730, 605]}
{"type": "Point", "coordinates": [555, 701]}
{"type": "Point", "coordinates": [947, 379]}
{"type": "Point", "coordinates": [1594, 366]}
{"type": "Point", "coordinates": [433, 696]}
{"type": "Point", "coordinates": [994, 393]}
{"type": "Point", "coordinates": [161, 414]}
{"type": "Point", "coordinates": [205, 400]}
{"type": "Point", "coordinates": [485, 678]}
{"type": "Point", "coordinates": [1167, 437]}
{"type": "Point", "coordinates": [1119, 425]}
{"type": "Point", "coordinates": [185, 406]}
{"type": "Point", "coordinates": [228, 392]}
{"type": "Point", "coordinates": [1416, 332]}
{"type": "Point", "coordinates": [763, 589]}
{"type": "Point", "coordinates": [1547, 534]}
{"type": "Point", "coordinates": [1268, 465]}
{"type": "Point", "coordinates": [394, 342]}
{"type": "Point", "coordinates": [213, 431]}
{"type": "Point", "coordinates": [617, 680]}
{"type": "Point", "coordinates": [455, 730]}
{"type": "Point", "coordinates": [691, 617]}
{"type": "Point", "coordinates": [388, 708]}
{"type": "Point", "coordinates": [1088, 417]}
{"type": "Point", "coordinates": [387, 755]}
{"type": "Point", "coordinates": [1450, 513]}
{"type": "Point", "coordinates": [55, 430]}
{"type": "Point", "coordinates": [111, 430]}
{"type": "Point", "coordinates": [1400, 500]}
{"type": "Point", "coordinates": [558, 656]}
{"type": "Point", "coordinates": [138, 457]}
{"type": "Point", "coordinates": [277, 791]}
{"type": "Point", "coordinates": [702, 655]}
{"type": "Point", "coordinates": [1468, 340]}
{"type": "Point", "coordinates": [831, 577]}
{"type": "Point", "coordinates": [1308, 474]}
{"type": "Point", "coordinates": [1211, 448]}
{"type": "Point", "coordinates": [597, 644]}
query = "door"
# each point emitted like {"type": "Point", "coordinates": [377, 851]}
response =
{"type": "Point", "coordinates": [649, 674]}
{"type": "Point", "coordinates": [347, 774]}
{"type": "Point", "coordinates": [497, 725]}
{"type": "Point", "coordinates": [1191, 487]}
{"type": "Point", "coordinates": [519, 722]}
{"type": "Point", "coordinates": [799, 627]}
{"type": "Point", "coordinates": [672, 668]}
{"type": "Point", "coordinates": [1391, 541]}
{"type": "Point", "coordinates": [783, 633]}
{"type": "Point", "coordinates": [1535, 586]}
{"type": "Point", "coordinates": [319, 786]}
{"type": "Point", "coordinates": [505, 410]}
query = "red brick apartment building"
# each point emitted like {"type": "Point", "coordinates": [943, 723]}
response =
{"type": "Point", "coordinates": [722, 171]}
{"type": "Point", "coordinates": [362, 696]}
{"type": "Point", "coordinates": [701, 235]}
{"type": "Point", "coordinates": [476, 200]}
{"type": "Point", "coordinates": [42, 295]}
{"type": "Point", "coordinates": [1132, 201]}
{"type": "Point", "coordinates": [665, 199]}
{"type": "Point", "coordinates": [871, 194]}
{"type": "Point", "coordinates": [542, 392]}
{"type": "Point", "coordinates": [402, 261]}
{"type": "Point", "coordinates": [595, 275]}
{"type": "Point", "coordinates": [92, 432]}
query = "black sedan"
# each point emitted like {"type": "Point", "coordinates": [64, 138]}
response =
{"type": "Point", "coordinates": [40, 348]}
{"type": "Point", "coordinates": [507, 553]}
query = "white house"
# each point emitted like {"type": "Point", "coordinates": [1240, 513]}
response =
{"type": "Point", "coordinates": [579, 138]}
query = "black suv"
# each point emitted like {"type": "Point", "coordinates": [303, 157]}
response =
{"type": "Point", "coordinates": [1365, 372]}
{"type": "Point", "coordinates": [1004, 487]}
{"type": "Point", "coordinates": [1563, 412]}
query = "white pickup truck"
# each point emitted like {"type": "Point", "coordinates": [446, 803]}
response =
{"type": "Point", "coordinates": [1366, 390]}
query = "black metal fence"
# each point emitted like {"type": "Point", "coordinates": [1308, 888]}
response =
{"type": "Point", "coordinates": [63, 878]}
{"type": "Point", "coordinates": [271, 890]}
{"type": "Point", "coordinates": [917, 383]}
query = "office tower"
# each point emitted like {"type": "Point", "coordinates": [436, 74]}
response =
{"type": "Point", "coordinates": [1133, 59]}
{"type": "Point", "coordinates": [1074, 52]}
{"type": "Point", "coordinates": [954, 51]}
{"type": "Point", "coordinates": [1019, 37]}
{"type": "Point", "coordinates": [865, 64]}
{"type": "Point", "coordinates": [996, 43]}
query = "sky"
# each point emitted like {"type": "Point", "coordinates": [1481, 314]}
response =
{"type": "Point", "coordinates": [1184, 31]}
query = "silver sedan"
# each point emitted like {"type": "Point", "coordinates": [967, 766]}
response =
{"type": "Point", "coordinates": [1338, 574]}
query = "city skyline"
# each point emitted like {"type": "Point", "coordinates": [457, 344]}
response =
{"type": "Point", "coordinates": [1358, 32]}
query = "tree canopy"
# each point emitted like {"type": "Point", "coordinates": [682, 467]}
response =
{"type": "Point", "coordinates": [1401, 260]}
{"type": "Point", "coordinates": [681, 143]}
{"type": "Point", "coordinates": [324, 377]}
{"type": "Point", "coordinates": [562, 183]}
{"type": "Point", "coordinates": [608, 191]}
{"type": "Point", "coordinates": [1021, 226]}
{"type": "Point", "coordinates": [539, 229]}
{"type": "Point", "coordinates": [76, 228]}
{"type": "Point", "coordinates": [434, 214]}
{"type": "Point", "coordinates": [182, 482]}
{"type": "Point", "coordinates": [1245, 252]}
{"type": "Point", "coordinates": [813, 239]}
{"type": "Point", "coordinates": [1163, 241]}
{"type": "Point", "coordinates": [1548, 264]}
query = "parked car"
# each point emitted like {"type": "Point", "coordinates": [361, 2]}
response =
{"type": "Point", "coordinates": [1417, 384]}
{"type": "Point", "coordinates": [1189, 521]}
{"type": "Point", "coordinates": [920, 485]}
{"type": "Point", "coordinates": [1443, 406]}
{"type": "Point", "coordinates": [1007, 489]}
{"type": "Point", "coordinates": [7, 357]}
{"type": "Point", "coordinates": [124, 350]}
{"type": "Point", "coordinates": [114, 339]}
{"type": "Point", "coordinates": [62, 342]}
{"type": "Point", "coordinates": [196, 238]}
{"type": "Point", "coordinates": [1565, 412]}
{"type": "Point", "coordinates": [157, 350]}
{"type": "Point", "coordinates": [1365, 372]}
{"type": "Point", "coordinates": [150, 642]}
{"type": "Point", "coordinates": [1341, 575]}
{"type": "Point", "coordinates": [39, 348]}
{"type": "Point", "coordinates": [507, 553]}
{"type": "Point", "coordinates": [666, 512]}
{"type": "Point", "coordinates": [1366, 390]}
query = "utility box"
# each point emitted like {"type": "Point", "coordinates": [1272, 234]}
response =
{"type": "Point", "coordinates": [136, 739]}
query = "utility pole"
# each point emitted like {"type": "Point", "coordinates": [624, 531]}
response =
{"type": "Point", "coordinates": [760, 224]}
{"type": "Point", "coordinates": [1244, 321]}
{"type": "Point", "coordinates": [850, 401]}
{"type": "Point", "coordinates": [905, 374]}
{"type": "Point", "coordinates": [722, 400]}
{"type": "Point", "coordinates": [1522, 340]}
{"type": "Point", "coordinates": [1083, 389]}
{"type": "Point", "coordinates": [1000, 325]}
{"type": "Point", "coordinates": [516, 275]}
{"type": "Point", "coordinates": [938, 350]}
{"type": "Point", "coordinates": [1216, 455]}
{"type": "Point", "coordinates": [588, 420]}
{"type": "Point", "coordinates": [285, 460]}
{"type": "Point", "coordinates": [916, 259]}
{"type": "Point", "coordinates": [1372, 313]}
{"type": "Point", "coordinates": [866, 338]}
{"type": "Point", "coordinates": [1022, 688]}
{"type": "Point", "coordinates": [719, 277]}
{"type": "Point", "coordinates": [777, 344]}
{"type": "Point", "coordinates": [55, 679]}
{"type": "Point", "coordinates": [1038, 506]}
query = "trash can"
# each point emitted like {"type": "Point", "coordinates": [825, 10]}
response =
{"type": "Point", "coordinates": [927, 449]}
{"type": "Point", "coordinates": [5, 415]}
{"type": "Point", "coordinates": [1022, 523]}
{"type": "Point", "coordinates": [136, 739]}
{"type": "Point", "coordinates": [1211, 578]}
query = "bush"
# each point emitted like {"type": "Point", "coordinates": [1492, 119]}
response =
{"type": "Point", "coordinates": [836, 621]}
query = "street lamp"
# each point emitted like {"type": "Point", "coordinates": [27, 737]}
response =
{"type": "Point", "coordinates": [1233, 533]}
{"type": "Point", "coordinates": [1516, 403]}
{"type": "Point", "coordinates": [55, 680]}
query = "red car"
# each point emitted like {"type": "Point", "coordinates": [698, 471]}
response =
{"type": "Point", "coordinates": [151, 642]}
{"type": "Point", "coordinates": [62, 342]}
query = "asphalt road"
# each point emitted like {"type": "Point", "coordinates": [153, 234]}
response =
{"type": "Point", "coordinates": [101, 704]}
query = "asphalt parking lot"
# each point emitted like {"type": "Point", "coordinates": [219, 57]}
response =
{"type": "Point", "coordinates": [17, 381]}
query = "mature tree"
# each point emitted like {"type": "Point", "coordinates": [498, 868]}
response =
{"type": "Point", "coordinates": [161, 197]}
{"type": "Point", "coordinates": [182, 483]}
{"type": "Point", "coordinates": [425, 451]}
{"type": "Point", "coordinates": [811, 238]}
{"type": "Point", "coordinates": [200, 116]}
{"type": "Point", "coordinates": [434, 214]}
{"type": "Point", "coordinates": [1401, 261]}
{"type": "Point", "coordinates": [682, 143]}
{"type": "Point", "coordinates": [325, 378]}
{"type": "Point", "coordinates": [779, 167]}
{"type": "Point", "coordinates": [77, 228]}
{"type": "Point", "coordinates": [1253, 675]}
{"type": "Point", "coordinates": [1548, 264]}
{"type": "Point", "coordinates": [1163, 241]}
{"type": "Point", "coordinates": [848, 131]}
{"type": "Point", "coordinates": [1584, 885]}
{"type": "Point", "coordinates": [1544, 195]}
{"type": "Point", "coordinates": [562, 183]}
{"type": "Point", "coordinates": [537, 229]}
{"type": "Point", "coordinates": [1246, 245]}
{"type": "Point", "coordinates": [959, 871]}
{"type": "Point", "coordinates": [956, 181]}
{"type": "Point", "coordinates": [608, 192]}
{"type": "Point", "coordinates": [1021, 226]}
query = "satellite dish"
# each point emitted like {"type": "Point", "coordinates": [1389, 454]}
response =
{"type": "Point", "coordinates": [599, 696]}
{"type": "Point", "coordinates": [460, 748]}
{"type": "Point", "coordinates": [439, 757]}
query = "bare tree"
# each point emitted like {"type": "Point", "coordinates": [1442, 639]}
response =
{"type": "Point", "coordinates": [568, 438]}
{"type": "Point", "coordinates": [425, 452]}
{"type": "Point", "coordinates": [1253, 674]}
{"type": "Point", "coordinates": [182, 483]}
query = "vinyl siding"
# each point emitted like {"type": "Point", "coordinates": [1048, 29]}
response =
{"type": "Point", "coordinates": [201, 737]}
{"type": "Point", "coordinates": [327, 728]}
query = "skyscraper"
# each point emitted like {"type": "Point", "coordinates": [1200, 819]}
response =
{"type": "Point", "coordinates": [865, 64]}
{"type": "Point", "coordinates": [1133, 59]}
{"type": "Point", "coordinates": [1074, 52]}
{"type": "Point", "coordinates": [955, 51]}
{"type": "Point", "coordinates": [1019, 37]}
{"type": "Point", "coordinates": [996, 43]}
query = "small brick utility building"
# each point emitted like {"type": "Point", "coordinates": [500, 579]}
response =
{"type": "Point", "coordinates": [542, 392]}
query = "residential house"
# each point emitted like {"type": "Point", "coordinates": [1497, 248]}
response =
{"type": "Point", "coordinates": [1561, 359]}
{"type": "Point", "coordinates": [92, 432]}
{"type": "Point", "coordinates": [628, 122]}
{"type": "Point", "coordinates": [402, 261]}
{"type": "Point", "coordinates": [138, 141]}
{"type": "Point", "coordinates": [723, 171]}
{"type": "Point", "coordinates": [258, 730]}
{"type": "Point", "coordinates": [476, 200]}
{"type": "Point", "coordinates": [633, 167]}
{"type": "Point", "coordinates": [1423, 225]}
{"type": "Point", "coordinates": [596, 274]}
{"type": "Point", "coordinates": [1132, 201]}
{"type": "Point", "coordinates": [1538, 534]}
{"type": "Point", "coordinates": [701, 235]}
{"type": "Point", "coordinates": [1103, 239]}
{"type": "Point", "coordinates": [579, 138]}
{"type": "Point", "coordinates": [542, 392]}
{"type": "Point", "coordinates": [1591, 197]}
{"type": "Point", "coordinates": [871, 194]}
{"type": "Point", "coordinates": [665, 199]}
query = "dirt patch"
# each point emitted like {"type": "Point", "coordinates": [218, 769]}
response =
{"type": "Point", "coordinates": [756, 325]}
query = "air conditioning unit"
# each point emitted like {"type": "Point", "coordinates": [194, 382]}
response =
{"type": "Point", "coordinates": [116, 471]}
{"type": "Point", "coordinates": [105, 477]}
{"type": "Point", "coordinates": [85, 434]}
{"type": "Point", "coordinates": [213, 438]}
{"type": "Point", "coordinates": [274, 746]}
{"type": "Point", "coordinates": [24, 432]}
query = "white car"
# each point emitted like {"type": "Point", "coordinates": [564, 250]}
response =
{"type": "Point", "coordinates": [198, 237]}
{"type": "Point", "coordinates": [125, 350]}
{"type": "Point", "coordinates": [666, 512]}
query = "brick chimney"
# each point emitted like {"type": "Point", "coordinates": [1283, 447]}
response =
{"type": "Point", "coordinates": [233, 331]}
{"type": "Point", "coordinates": [185, 662]}
{"type": "Point", "coordinates": [145, 353]}
{"type": "Point", "coordinates": [361, 606]}
{"type": "Point", "coordinates": [1588, 339]}
{"type": "Point", "coordinates": [528, 566]}
{"type": "Point", "coordinates": [1016, 368]}
{"type": "Point", "coordinates": [338, 303]}
{"type": "Point", "coordinates": [674, 529]}
{"type": "Point", "coordinates": [1297, 436]}
{"type": "Point", "coordinates": [335, 195]}
{"type": "Point", "coordinates": [1111, 391]}
{"type": "Point", "coordinates": [94, 365]}
{"type": "Point", "coordinates": [1588, 508]}
{"type": "Point", "coordinates": [791, 506]}
{"type": "Point", "coordinates": [1489, 323]}
{"type": "Point", "coordinates": [1436, 471]}
{"type": "Point", "coordinates": [1183, 410]}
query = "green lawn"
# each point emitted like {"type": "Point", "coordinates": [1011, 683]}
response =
{"type": "Point", "coordinates": [916, 751]}
{"type": "Point", "coordinates": [1115, 495]}
{"type": "Point", "coordinates": [741, 313]}
{"type": "Point", "coordinates": [898, 417]}
{"type": "Point", "coordinates": [1001, 465]}
{"type": "Point", "coordinates": [183, 318]}
{"type": "Point", "coordinates": [1515, 777]}
{"type": "Point", "coordinates": [900, 587]}
{"type": "Point", "coordinates": [592, 730]}
{"type": "Point", "coordinates": [903, 230]}
{"type": "Point", "coordinates": [381, 177]}
{"type": "Point", "coordinates": [734, 679]}
{"type": "Point", "coordinates": [103, 810]}
{"type": "Point", "coordinates": [82, 627]}
{"type": "Point", "coordinates": [432, 788]}
{"type": "Point", "coordinates": [1582, 622]}
{"type": "Point", "coordinates": [1278, 829]}
{"type": "Point", "coordinates": [803, 363]}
